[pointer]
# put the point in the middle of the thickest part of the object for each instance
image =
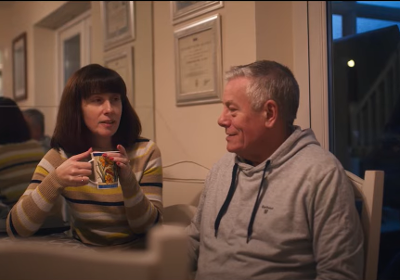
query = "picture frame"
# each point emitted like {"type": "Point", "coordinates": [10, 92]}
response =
{"type": "Point", "coordinates": [184, 10]}
{"type": "Point", "coordinates": [198, 62]}
{"type": "Point", "coordinates": [20, 73]}
{"type": "Point", "coordinates": [118, 19]}
{"type": "Point", "coordinates": [121, 60]}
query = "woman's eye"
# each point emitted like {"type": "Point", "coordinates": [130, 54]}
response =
{"type": "Point", "coordinates": [96, 100]}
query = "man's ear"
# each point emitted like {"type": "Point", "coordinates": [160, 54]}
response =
{"type": "Point", "coordinates": [270, 110]}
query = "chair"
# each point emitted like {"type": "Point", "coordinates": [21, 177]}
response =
{"type": "Point", "coordinates": [370, 192]}
{"type": "Point", "coordinates": [179, 214]}
{"type": "Point", "coordinates": [165, 258]}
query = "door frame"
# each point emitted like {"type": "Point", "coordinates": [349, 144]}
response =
{"type": "Point", "coordinates": [318, 71]}
{"type": "Point", "coordinates": [79, 25]}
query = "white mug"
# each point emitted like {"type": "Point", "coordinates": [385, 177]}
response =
{"type": "Point", "coordinates": [105, 170]}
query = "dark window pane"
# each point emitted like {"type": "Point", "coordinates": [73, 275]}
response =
{"type": "Point", "coordinates": [368, 24]}
{"type": "Point", "coordinates": [337, 26]}
{"type": "Point", "coordinates": [364, 106]}
{"type": "Point", "coordinates": [393, 4]}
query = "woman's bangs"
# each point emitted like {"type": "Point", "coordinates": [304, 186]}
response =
{"type": "Point", "coordinates": [104, 85]}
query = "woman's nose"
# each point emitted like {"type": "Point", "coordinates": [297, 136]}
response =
{"type": "Point", "coordinates": [107, 106]}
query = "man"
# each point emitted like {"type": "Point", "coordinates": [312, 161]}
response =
{"type": "Point", "coordinates": [35, 120]}
{"type": "Point", "coordinates": [277, 206]}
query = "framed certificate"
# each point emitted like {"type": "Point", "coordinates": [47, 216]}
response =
{"type": "Point", "coordinates": [198, 62]}
{"type": "Point", "coordinates": [118, 19]}
{"type": "Point", "coordinates": [20, 75]}
{"type": "Point", "coordinates": [121, 60]}
{"type": "Point", "coordinates": [184, 10]}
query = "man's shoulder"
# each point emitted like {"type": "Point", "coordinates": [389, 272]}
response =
{"type": "Point", "coordinates": [317, 155]}
{"type": "Point", "coordinates": [316, 161]}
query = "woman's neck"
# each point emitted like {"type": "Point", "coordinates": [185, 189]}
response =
{"type": "Point", "coordinates": [101, 146]}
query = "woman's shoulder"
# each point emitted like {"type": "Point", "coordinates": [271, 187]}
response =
{"type": "Point", "coordinates": [55, 156]}
{"type": "Point", "coordinates": [144, 146]}
{"type": "Point", "coordinates": [145, 142]}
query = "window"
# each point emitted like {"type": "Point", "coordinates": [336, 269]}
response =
{"type": "Point", "coordinates": [357, 68]}
{"type": "Point", "coordinates": [337, 26]}
{"type": "Point", "coordinates": [368, 24]}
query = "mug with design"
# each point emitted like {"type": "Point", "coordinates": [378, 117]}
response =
{"type": "Point", "coordinates": [105, 170]}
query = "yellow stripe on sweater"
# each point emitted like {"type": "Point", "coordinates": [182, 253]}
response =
{"type": "Point", "coordinates": [95, 190]}
{"type": "Point", "coordinates": [116, 235]}
{"type": "Point", "coordinates": [143, 151]}
{"type": "Point", "coordinates": [40, 170]}
{"type": "Point", "coordinates": [154, 171]}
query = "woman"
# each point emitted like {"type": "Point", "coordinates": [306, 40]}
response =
{"type": "Point", "coordinates": [95, 115]}
{"type": "Point", "coordinates": [19, 155]}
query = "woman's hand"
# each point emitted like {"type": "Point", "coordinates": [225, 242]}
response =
{"type": "Point", "coordinates": [74, 171]}
{"type": "Point", "coordinates": [122, 161]}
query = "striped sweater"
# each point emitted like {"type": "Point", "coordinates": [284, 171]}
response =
{"type": "Point", "coordinates": [97, 216]}
{"type": "Point", "coordinates": [17, 164]}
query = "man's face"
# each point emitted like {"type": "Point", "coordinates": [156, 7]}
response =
{"type": "Point", "coordinates": [245, 128]}
{"type": "Point", "coordinates": [34, 129]}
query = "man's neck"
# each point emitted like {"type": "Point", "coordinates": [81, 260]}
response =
{"type": "Point", "coordinates": [270, 145]}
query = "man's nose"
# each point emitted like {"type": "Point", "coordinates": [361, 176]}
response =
{"type": "Point", "coordinates": [223, 119]}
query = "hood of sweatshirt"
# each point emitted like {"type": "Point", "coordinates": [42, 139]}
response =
{"type": "Point", "coordinates": [298, 140]}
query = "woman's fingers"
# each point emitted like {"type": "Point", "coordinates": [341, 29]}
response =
{"type": "Point", "coordinates": [122, 150]}
{"type": "Point", "coordinates": [75, 169]}
{"type": "Point", "coordinates": [120, 159]}
{"type": "Point", "coordinates": [79, 180]}
{"type": "Point", "coordinates": [82, 156]}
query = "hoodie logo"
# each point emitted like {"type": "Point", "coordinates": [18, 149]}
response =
{"type": "Point", "coordinates": [266, 208]}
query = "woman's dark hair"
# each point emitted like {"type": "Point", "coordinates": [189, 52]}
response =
{"type": "Point", "coordinates": [71, 133]}
{"type": "Point", "coordinates": [13, 127]}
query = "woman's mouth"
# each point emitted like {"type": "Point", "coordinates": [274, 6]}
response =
{"type": "Point", "coordinates": [107, 123]}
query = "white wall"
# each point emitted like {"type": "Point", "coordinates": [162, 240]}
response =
{"type": "Point", "coordinates": [143, 96]}
{"type": "Point", "coordinates": [250, 31]}
{"type": "Point", "coordinates": [21, 16]}
{"type": "Point", "coordinates": [15, 19]}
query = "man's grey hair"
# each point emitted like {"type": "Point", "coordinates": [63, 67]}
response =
{"type": "Point", "coordinates": [270, 80]}
{"type": "Point", "coordinates": [36, 116]}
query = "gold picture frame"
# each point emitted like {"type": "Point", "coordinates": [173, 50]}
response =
{"type": "Point", "coordinates": [198, 62]}
{"type": "Point", "coordinates": [20, 73]}
{"type": "Point", "coordinates": [184, 10]}
{"type": "Point", "coordinates": [121, 60]}
{"type": "Point", "coordinates": [118, 18]}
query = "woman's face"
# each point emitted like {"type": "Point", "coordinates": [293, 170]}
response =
{"type": "Point", "coordinates": [102, 114]}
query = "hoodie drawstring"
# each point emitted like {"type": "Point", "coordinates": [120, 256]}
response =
{"type": "Point", "coordinates": [228, 199]}
{"type": "Point", "coordinates": [256, 204]}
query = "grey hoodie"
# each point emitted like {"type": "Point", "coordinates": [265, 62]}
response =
{"type": "Point", "coordinates": [304, 224]}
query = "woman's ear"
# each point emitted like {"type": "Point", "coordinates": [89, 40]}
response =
{"type": "Point", "coordinates": [270, 112]}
